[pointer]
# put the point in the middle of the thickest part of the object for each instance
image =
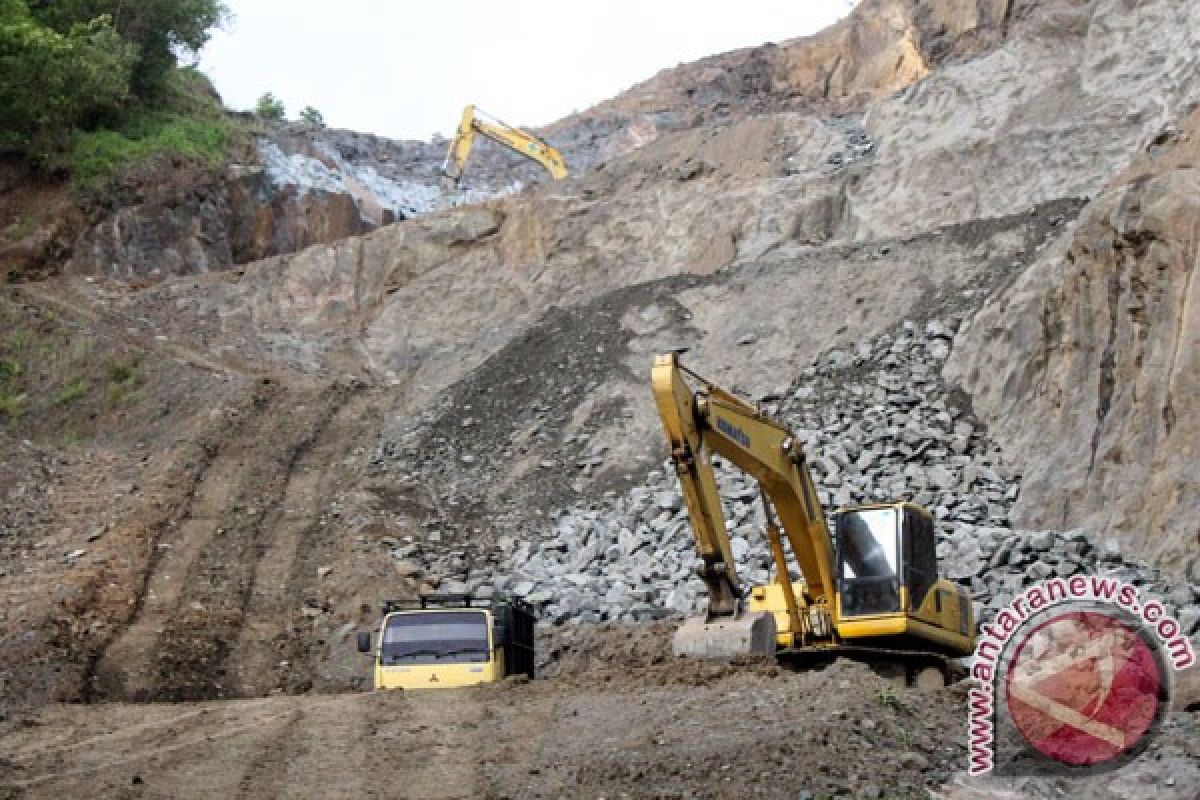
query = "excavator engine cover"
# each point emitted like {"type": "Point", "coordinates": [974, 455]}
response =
{"type": "Point", "coordinates": [748, 634]}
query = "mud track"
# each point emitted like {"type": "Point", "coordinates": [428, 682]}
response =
{"type": "Point", "coordinates": [660, 731]}
{"type": "Point", "coordinates": [226, 579]}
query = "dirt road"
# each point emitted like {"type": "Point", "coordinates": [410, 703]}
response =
{"type": "Point", "coordinates": [661, 731]}
{"type": "Point", "coordinates": [613, 717]}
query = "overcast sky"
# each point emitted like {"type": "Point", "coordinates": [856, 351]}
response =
{"type": "Point", "coordinates": [405, 69]}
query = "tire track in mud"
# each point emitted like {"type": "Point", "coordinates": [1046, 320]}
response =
{"type": "Point", "coordinates": [289, 563]}
{"type": "Point", "coordinates": [327, 747]}
{"type": "Point", "coordinates": [191, 613]}
{"type": "Point", "coordinates": [157, 745]}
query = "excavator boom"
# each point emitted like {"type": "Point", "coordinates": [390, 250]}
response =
{"type": "Point", "coordinates": [715, 421]}
{"type": "Point", "coordinates": [473, 121]}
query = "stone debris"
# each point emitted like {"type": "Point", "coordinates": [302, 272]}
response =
{"type": "Point", "coordinates": [877, 424]}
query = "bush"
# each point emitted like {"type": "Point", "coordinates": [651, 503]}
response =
{"type": "Point", "coordinates": [157, 29]}
{"type": "Point", "coordinates": [74, 390]}
{"type": "Point", "coordinates": [189, 123]}
{"type": "Point", "coordinates": [270, 107]}
{"type": "Point", "coordinates": [53, 82]}
{"type": "Point", "coordinates": [12, 405]}
{"type": "Point", "coordinates": [101, 155]}
{"type": "Point", "coordinates": [312, 117]}
{"type": "Point", "coordinates": [68, 66]}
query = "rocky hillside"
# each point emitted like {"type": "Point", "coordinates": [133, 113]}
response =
{"type": "Point", "coordinates": [1100, 405]}
{"type": "Point", "coordinates": [951, 243]}
{"type": "Point", "coordinates": [297, 185]}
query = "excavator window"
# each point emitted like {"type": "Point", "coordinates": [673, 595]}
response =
{"type": "Point", "coordinates": [868, 571]}
{"type": "Point", "coordinates": [920, 555]}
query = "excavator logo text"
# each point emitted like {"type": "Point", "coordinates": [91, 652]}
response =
{"type": "Point", "coordinates": [433, 678]}
{"type": "Point", "coordinates": [733, 432]}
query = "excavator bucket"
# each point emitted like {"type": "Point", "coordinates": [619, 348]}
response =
{"type": "Point", "coordinates": [726, 637]}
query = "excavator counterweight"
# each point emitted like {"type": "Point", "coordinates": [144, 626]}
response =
{"type": "Point", "coordinates": [870, 586]}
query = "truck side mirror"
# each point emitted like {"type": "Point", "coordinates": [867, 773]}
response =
{"type": "Point", "coordinates": [364, 641]}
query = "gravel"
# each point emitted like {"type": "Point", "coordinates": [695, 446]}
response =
{"type": "Point", "coordinates": [877, 424]}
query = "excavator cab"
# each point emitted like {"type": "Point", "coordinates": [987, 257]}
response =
{"type": "Point", "coordinates": [887, 558]}
{"type": "Point", "coordinates": [870, 584]}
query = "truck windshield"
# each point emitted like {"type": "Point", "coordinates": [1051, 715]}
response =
{"type": "Point", "coordinates": [435, 637]}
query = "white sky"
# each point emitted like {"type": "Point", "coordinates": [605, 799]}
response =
{"type": "Point", "coordinates": [405, 69]}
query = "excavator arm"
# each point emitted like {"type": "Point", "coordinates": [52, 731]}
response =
{"type": "Point", "coordinates": [526, 144]}
{"type": "Point", "coordinates": [712, 420]}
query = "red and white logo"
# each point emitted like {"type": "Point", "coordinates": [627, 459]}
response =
{"type": "Point", "coordinates": [1084, 687]}
{"type": "Point", "coordinates": [1085, 666]}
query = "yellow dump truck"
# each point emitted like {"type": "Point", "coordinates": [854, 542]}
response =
{"type": "Point", "coordinates": [448, 641]}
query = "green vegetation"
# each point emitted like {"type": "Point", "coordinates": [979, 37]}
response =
{"type": "Point", "coordinates": [270, 107]}
{"type": "Point", "coordinates": [189, 123]}
{"type": "Point", "coordinates": [21, 228]}
{"type": "Point", "coordinates": [312, 117]}
{"type": "Point", "coordinates": [122, 371]}
{"type": "Point", "coordinates": [75, 389]}
{"type": "Point", "coordinates": [12, 394]}
{"type": "Point", "coordinates": [124, 379]}
{"type": "Point", "coordinates": [152, 32]}
{"type": "Point", "coordinates": [53, 81]}
{"type": "Point", "coordinates": [93, 86]}
{"type": "Point", "coordinates": [60, 378]}
{"type": "Point", "coordinates": [12, 405]}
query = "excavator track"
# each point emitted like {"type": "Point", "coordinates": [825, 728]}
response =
{"type": "Point", "coordinates": [912, 665]}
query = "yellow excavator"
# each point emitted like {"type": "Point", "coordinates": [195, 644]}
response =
{"type": "Point", "coordinates": [475, 121]}
{"type": "Point", "coordinates": [870, 590]}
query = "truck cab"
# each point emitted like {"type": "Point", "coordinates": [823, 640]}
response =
{"type": "Point", "coordinates": [446, 642]}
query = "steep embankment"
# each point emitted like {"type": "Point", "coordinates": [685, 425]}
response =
{"type": "Point", "coordinates": [1088, 363]}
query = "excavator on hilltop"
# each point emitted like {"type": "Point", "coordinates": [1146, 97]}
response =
{"type": "Point", "coordinates": [475, 121]}
{"type": "Point", "coordinates": [870, 590]}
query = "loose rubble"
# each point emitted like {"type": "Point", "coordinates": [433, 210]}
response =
{"type": "Point", "coordinates": [858, 145]}
{"type": "Point", "coordinates": [878, 423]}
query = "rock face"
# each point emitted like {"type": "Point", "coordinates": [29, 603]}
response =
{"type": "Point", "coordinates": [185, 220]}
{"type": "Point", "coordinates": [883, 46]}
{"type": "Point", "coordinates": [1088, 365]}
{"type": "Point", "coordinates": [297, 187]}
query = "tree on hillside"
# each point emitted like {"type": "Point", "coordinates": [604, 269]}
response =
{"type": "Point", "coordinates": [312, 117]}
{"type": "Point", "coordinates": [52, 82]}
{"type": "Point", "coordinates": [160, 30]}
{"type": "Point", "coordinates": [269, 107]}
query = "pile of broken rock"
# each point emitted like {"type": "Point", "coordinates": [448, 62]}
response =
{"type": "Point", "coordinates": [878, 423]}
